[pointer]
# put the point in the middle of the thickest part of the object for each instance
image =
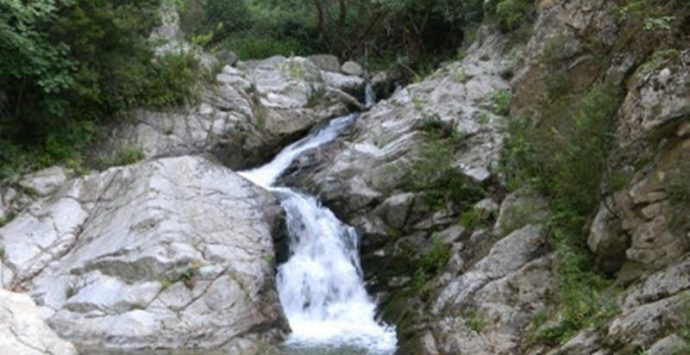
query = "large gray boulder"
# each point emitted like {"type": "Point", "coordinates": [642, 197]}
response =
{"type": "Point", "coordinates": [173, 253]}
{"type": "Point", "coordinates": [326, 62]}
{"type": "Point", "coordinates": [486, 309]}
{"type": "Point", "coordinates": [44, 182]}
{"type": "Point", "coordinates": [352, 68]}
{"type": "Point", "coordinates": [23, 331]}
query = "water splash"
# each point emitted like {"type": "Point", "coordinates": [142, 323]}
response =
{"type": "Point", "coordinates": [321, 286]}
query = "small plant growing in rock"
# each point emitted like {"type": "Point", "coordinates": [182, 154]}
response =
{"type": "Point", "coordinates": [460, 76]}
{"type": "Point", "coordinates": [662, 23]}
{"type": "Point", "coordinates": [658, 60]}
{"type": "Point", "coordinates": [500, 102]}
{"type": "Point", "coordinates": [434, 172]}
{"type": "Point", "coordinates": [187, 276]}
{"type": "Point", "coordinates": [417, 102]}
{"type": "Point", "coordinates": [124, 156]}
{"type": "Point", "coordinates": [474, 218]}
{"type": "Point", "coordinates": [484, 118]}
{"type": "Point", "coordinates": [476, 321]}
{"type": "Point", "coordinates": [294, 70]}
{"type": "Point", "coordinates": [430, 263]}
{"type": "Point", "coordinates": [7, 219]}
{"type": "Point", "coordinates": [315, 95]}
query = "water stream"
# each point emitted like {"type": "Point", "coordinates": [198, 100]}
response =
{"type": "Point", "coordinates": [321, 286]}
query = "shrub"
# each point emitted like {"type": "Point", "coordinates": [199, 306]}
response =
{"type": "Point", "coordinates": [564, 157]}
{"type": "Point", "coordinates": [476, 321]}
{"type": "Point", "coordinates": [500, 102]}
{"type": "Point", "coordinates": [173, 81]}
{"type": "Point", "coordinates": [123, 156]}
{"type": "Point", "coordinates": [435, 173]}
{"type": "Point", "coordinates": [253, 46]}
{"type": "Point", "coordinates": [3, 221]}
{"type": "Point", "coordinates": [430, 263]}
{"type": "Point", "coordinates": [474, 218]}
{"type": "Point", "coordinates": [509, 14]}
{"type": "Point", "coordinates": [68, 67]}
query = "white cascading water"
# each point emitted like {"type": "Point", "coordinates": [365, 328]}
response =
{"type": "Point", "coordinates": [321, 286]}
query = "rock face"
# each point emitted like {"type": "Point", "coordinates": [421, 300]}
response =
{"type": "Point", "coordinates": [247, 115]}
{"type": "Point", "coordinates": [362, 178]}
{"type": "Point", "coordinates": [178, 251]}
{"type": "Point", "coordinates": [22, 331]}
{"type": "Point", "coordinates": [499, 271]}
{"type": "Point", "coordinates": [387, 138]}
{"type": "Point", "coordinates": [487, 308]}
{"type": "Point", "coordinates": [173, 253]}
{"type": "Point", "coordinates": [326, 62]}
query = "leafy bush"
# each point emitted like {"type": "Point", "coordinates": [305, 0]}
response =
{"type": "Point", "coordinates": [564, 157]}
{"type": "Point", "coordinates": [435, 174]}
{"type": "Point", "coordinates": [500, 101]}
{"type": "Point", "coordinates": [474, 218]}
{"type": "Point", "coordinates": [509, 14]}
{"type": "Point", "coordinates": [252, 46]}
{"type": "Point", "coordinates": [68, 67]}
{"type": "Point", "coordinates": [430, 263]}
{"type": "Point", "coordinates": [173, 81]}
{"type": "Point", "coordinates": [124, 156]}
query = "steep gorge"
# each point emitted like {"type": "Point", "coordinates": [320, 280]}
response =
{"type": "Point", "coordinates": [180, 252]}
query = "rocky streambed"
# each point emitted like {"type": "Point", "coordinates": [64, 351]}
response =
{"type": "Point", "coordinates": [180, 253]}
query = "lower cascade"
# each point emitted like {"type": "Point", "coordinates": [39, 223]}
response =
{"type": "Point", "coordinates": [321, 286]}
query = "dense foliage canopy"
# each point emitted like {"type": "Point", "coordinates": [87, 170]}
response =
{"type": "Point", "coordinates": [67, 65]}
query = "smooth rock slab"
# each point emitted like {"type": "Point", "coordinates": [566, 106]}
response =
{"type": "Point", "coordinates": [169, 254]}
{"type": "Point", "coordinates": [23, 332]}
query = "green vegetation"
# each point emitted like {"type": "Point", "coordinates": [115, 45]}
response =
{"type": "Point", "coordinates": [66, 68]}
{"type": "Point", "coordinates": [500, 102]}
{"type": "Point", "coordinates": [476, 321]}
{"type": "Point", "coordinates": [186, 276]}
{"type": "Point", "coordinates": [123, 156]}
{"type": "Point", "coordinates": [7, 219]}
{"type": "Point", "coordinates": [430, 263]}
{"type": "Point", "coordinates": [658, 60]}
{"type": "Point", "coordinates": [475, 218]}
{"type": "Point", "coordinates": [435, 174]}
{"type": "Point", "coordinates": [510, 14]}
{"type": "Point", "coordinates": [403, 32]}
{"type": "Point", "coordinates": [316, 95]}
{"type": "Point", "coordinates": [678, 192]}
{"type": "Point", "coordinates": [564, 158]}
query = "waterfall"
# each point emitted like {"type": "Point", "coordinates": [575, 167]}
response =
{"type": "Point", "coordinates": [369, 96]}
{"type": "Point", "coordinates": [321, 286]}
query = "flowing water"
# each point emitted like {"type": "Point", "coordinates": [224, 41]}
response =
{"type": "Point", "coordinates": [321, 286]}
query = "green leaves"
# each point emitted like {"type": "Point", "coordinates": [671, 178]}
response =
{"type": "Point", "coordinates": [66, 66]}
